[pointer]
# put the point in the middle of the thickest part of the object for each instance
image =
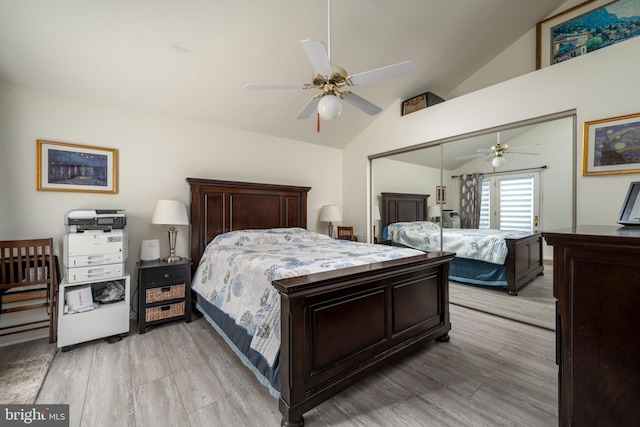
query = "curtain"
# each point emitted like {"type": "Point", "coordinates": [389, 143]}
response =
{"type": "Point", "coordinates": [470, 200]}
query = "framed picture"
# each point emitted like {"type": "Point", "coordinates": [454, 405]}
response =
{"type": "Point", "coordinates": [589, 26]}
{"type": "Point", "coordinates": [71, 167]}
{"type": "Point", "coordinates": [441, 195]}
{"type": "Point", "coordinates": [612, 145]}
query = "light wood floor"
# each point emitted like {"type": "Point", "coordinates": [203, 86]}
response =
{"type": "Point", "coordinates": [534, 303]}
{"type": "Point", "coordinates": [493, 372]}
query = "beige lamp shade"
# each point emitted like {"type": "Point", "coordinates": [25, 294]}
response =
{"type": "Point", "coordinates": [376, 213]}
{"type": "Point", "coordinates": [330, 213]}
{"type": "Point", "coordinates": [170, 212]}
{"type": "Point", "coordinates": [435, 211]}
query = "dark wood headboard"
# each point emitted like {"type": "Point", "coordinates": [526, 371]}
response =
{"type": "Point", "coordinates": [403, 207]}
{"type": "Point", "coordinates": [221, 206]}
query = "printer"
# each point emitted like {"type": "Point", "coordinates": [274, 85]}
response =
{"type": "Point", "coordinates": [78, 221]}
{"type": "Point", "coordinates": [450, 218]}
{"type": "Point", "coordinates": [95, 246]}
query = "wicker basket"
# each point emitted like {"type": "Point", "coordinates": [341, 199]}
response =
{"type": "Point", "coordinates": [165, 293]}
{"type": "Point", "coordinates": [164, 311]}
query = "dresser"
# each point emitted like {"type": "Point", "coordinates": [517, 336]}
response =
{"type": "Point", "coordinates": [164, 291]}
{"type": "Point", "coordinates": [596, 281]}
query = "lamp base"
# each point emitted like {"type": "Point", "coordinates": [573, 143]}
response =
{"type": "Point", "coordinates": [171, 258]}
{"type": "Point", "coordinates": [172, 246]}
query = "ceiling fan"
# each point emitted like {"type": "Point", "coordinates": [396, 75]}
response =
{"type": "Point", "coordinates": [332, 81]}
{"type": "Point", "coordinates": [495, 154]}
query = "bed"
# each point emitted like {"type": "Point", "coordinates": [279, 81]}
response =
{"type": "Point", "coordinates": [336, 327]}
{"type": "Point", "coordinates": [522, 263]}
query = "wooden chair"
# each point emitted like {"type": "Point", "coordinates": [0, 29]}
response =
{"type": "Point", "coordinates": [346, 233]}
{"type": "Point", "coordinates": [29, 281]}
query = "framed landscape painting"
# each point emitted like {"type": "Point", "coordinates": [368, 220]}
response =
{"type": "Point", "coordinates": [589, 26]}
{"type": "Point", "coordinates": [612, 145]}
{"type": "Point", "coordinates": [72, 167]}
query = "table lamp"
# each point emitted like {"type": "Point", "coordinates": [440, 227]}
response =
{"type": "Point", "coordinates": [376, 217]}
{"type": "Point", "coordinates": [434, 212]}
{"type": "Point", "coordinates": [171, 213]}
{"type": "Point", "coordinates": [330, 213]}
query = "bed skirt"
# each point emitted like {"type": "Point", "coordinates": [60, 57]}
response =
{"type": "Point", "coordinates": [477, 272]}
{"type": "Point", "coordinates": [239, 341]}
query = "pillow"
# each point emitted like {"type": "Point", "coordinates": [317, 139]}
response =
{"type": "Point", "coordinates": [415, 226]}
{"type": "Point", "coordinates": [272, 236]}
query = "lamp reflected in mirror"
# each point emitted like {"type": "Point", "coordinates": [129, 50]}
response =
{"type": "Point", "coordinates": [434, 212]}
{"type": "Point", "coordinates": [376, 218]}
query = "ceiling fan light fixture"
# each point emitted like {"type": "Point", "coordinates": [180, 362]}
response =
{"type": "Point", "coordinates": [498, 161]}
{"type": "Point", "coordinates": [329, 107]}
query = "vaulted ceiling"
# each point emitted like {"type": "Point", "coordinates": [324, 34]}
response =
{"type": "Point", "coordinates": [192, 58]}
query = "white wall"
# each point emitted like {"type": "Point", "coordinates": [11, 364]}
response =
{"type": "Point", "coordinates": [156, 154]}
{"type": "Point", "coordinates": [598, 85]}
{"type": "Point", "coordinates": [516, 60]}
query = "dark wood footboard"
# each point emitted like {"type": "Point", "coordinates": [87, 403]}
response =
{"type": "Point", "coordinates": [339, 327]}
{"type": "Point", "coordinates": [524, 261]}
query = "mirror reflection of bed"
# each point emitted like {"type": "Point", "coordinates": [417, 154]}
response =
{"type": "Point", "coordinates": [422, 169]}
{"type": "Point", "coordinates": [488, 257]}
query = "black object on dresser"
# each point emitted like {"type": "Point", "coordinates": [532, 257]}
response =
{"type": "Point", "coordinates": [596, 280]}
{"type": "Point", "coordinates": [164, 292]}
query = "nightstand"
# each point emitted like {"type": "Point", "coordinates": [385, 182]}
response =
{"type": "Point", "coordinates": [164, 292]}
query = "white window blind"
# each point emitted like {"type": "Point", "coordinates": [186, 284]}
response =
{"type": "Point", "coordinates": [485, 197]}
{"type": "Point", "coordinates": [512, 206]}
{"type": "Point", "coordinates": [516, 204]}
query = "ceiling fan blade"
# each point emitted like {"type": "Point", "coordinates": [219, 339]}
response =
{"type": "Point", "coordinates": [389, 72]}
{"type": "Point", "coordinates": [470, 156]}
{"type": "Point", "coordinates": [520, 152]}
{"type": "Point", "coordinates": [275, 86]}
{"type": "Point", "coordinates": [485, 150]}
{"type": "Point", "coordinates": [311, 106]}
{"type": "Point", "coordinates": [524, 146]}
{"type": "Point", "coordinates": [317, 54]}
{"type": "Point", "coordinates": [361, 103]}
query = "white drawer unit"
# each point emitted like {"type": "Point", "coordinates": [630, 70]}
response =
{"type": "Point", "coordinates": [95, 273]}
{"type": "Point", "coordinates": [109, 321]}
{"type": "Point", "coordinates": [91, 248]}
{"type": "Point", "coordinates": [91, 260]}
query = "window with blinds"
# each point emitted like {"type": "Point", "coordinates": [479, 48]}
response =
{"type": "Point", "coordinates": [512, 204]}
{"type": "Point", "coordinates": [485, 197]}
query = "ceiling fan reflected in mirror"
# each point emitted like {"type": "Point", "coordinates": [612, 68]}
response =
{"type": "Point", "coordinates": [496, 153]}
{"type": "Point", "coordinates": [333, 81]}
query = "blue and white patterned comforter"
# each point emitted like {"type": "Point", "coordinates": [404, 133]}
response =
{"type": "Point", "coordinates": [480, 244]}
{"type": "Point", "coordinates": [237, 268]}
